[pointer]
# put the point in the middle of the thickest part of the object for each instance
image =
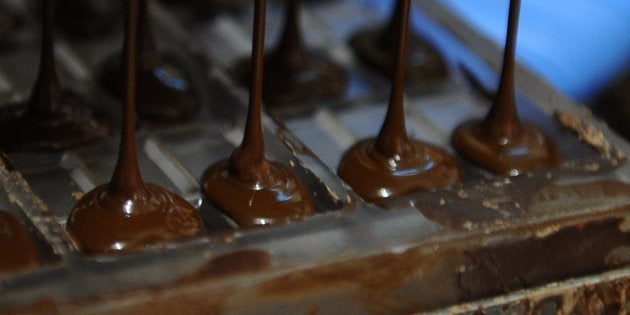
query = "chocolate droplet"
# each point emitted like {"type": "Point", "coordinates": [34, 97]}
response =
{"type": "Point", "coordinates": [127, 214]}
{"type": "Point", "coordinates": [501, 142]}
{"type": "Point", "coordinates": [247, 187]}
{"type": "Point", "coordinates": [393, 165]}
{"type": "Point", "coordinates": [165, 93]}
{"type": "Point", "coordinates": [377, 48]}
{"type": "Point", "coordinates": [52, 119]}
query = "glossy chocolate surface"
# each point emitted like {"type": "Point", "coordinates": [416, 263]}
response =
{"type": "Point", "coordinates": [51, 119]}
{"type": "Point", "coordinates": [88, 18]}
{"type": "Point", "coordinates": [501, 142]}
{"type": "Point", "coordinates": [295, 75]}
{"type": "Point", "coordinates": [393, 165]}
{"type": "Point", "coordinates": [127, 214]}
{"type": "Point", "coordinates": [247, 187]}
{"type": "Point", "coordinates": [165, 93]}
{"type": "Point", "coordinates": [17, 251]}
{"type": "Point", "coordinates": [377, 48]}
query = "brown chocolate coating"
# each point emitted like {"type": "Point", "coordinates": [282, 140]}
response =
{"type": "Point", "coordinates": [377, 48]}
{"type": "Point", "coordinates": [393, 165]}
{"type": "Point", "coordinates": [294, 75]}
{"type": "Point", "coordinates": [247, 187]}
{"type": "Point", "coordinates": [501, 142]}
{"type": "Point", "coordinates": [52, 120]}
{"type": "Point", "coordinates": [88, 18]}
{"type": "Point", "coordinates": [17, 251]}
{"type": "Point", "coordinates": [127, 214]}
{"type": "Point", "coordinates": [165, 93]}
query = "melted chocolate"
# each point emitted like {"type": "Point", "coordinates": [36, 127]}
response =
{"type": "Point", "coordinates": [16, 248]}
{"type": "Point", "coordinates": [52, 119]}
{"type": "Point", "coordinates": [393, 165]}
{"type": "Point", "coordinates": [165, 93]}
{"type": "Point", "coordinates": [127, 214]}
{"type": "Point", "coordinates": [377, 48]}
{"type": "Point", "coordinates": [88, 18]}
{"type": "Point", "coordinates": [501, 142]}
{"type": "Point", "coordinates": [295, 76]}
{"type": "Point", "coordinates": [247, 187]}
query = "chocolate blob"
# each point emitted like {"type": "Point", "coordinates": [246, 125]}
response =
{"type": "Point", "coordinates": [88, 18]}
{"type": "Point", "coordinates": [51, 119]}
{"type": "Point", "coordinates": [393, 165]}
{"type": "Point", "coordinates": [127, 214]}
{"type": "Point", "coordinates": [17, 251]}
{"type": "Point", "coordinates": [294, 75]}
{"type": "Point", "coordinates": [500, 142]}
{"type": "Point", "coordinates": [247, 187]}
{"type": "Point", "coordinates": [165, 93]}
{"type": "Point", "coordinates": [377, 47]}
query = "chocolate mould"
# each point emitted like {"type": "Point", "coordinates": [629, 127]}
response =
{"type": "Point", "coordinates": [545, 241]}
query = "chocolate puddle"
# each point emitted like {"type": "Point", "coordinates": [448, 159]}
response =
{"type": "Point", "coordinates": [247, 187]}
{"type": "Point", "coordinates": [165, 93]}
{"type": "Point", "coordinates": [127, 214]}
{"type": "Point", "coordinates": [393, 165]}
{"type": "Point", "coordinates": [501, 142]}
{"type": "Point", "coordinates": [51, 119]}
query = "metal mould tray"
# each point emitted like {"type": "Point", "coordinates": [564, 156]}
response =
{"type": "Point", "coordinates": [546, 241]}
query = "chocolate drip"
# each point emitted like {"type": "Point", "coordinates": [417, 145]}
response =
{"type": "Point", "coordinates": [501, 142]}
{"type": "Point", "coordinates": [16, 248]}
{"type": "Point", "coordinates": [88, 18]}
{"type": "Point", "coordinates": [247, 187]}
{"type": "Point", "coordinates": [393, 165]}
{"type": "Point", "coordinates": [377, 48]}
{"type": "Point", "coordinates": [53, 120]}
{"type": "Point", "coordinates": [165, 93]}
{"type": "Point", "coordinates": [127, 214]}
{"type": "Point", "coordinates": [296, 76]}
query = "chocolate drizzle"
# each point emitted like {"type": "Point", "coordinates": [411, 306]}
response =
{"type": "Point", "coordinates": [393, 165]}
{"type": "Point", "coordinates": [52, 119]}
{"type": "Point", "coordinates": [247, 187]}
{"type": "Point", "coordinates": [17, 251]}
{"type": "Point", "coordinates": [501, 142]}
{"type": "Point", "coordinates": [127, 214]}
{"type": "Point", "coordinates": [296, 76]}
{"type": "Point", "coordinates": [377, 48]}
{"type": "Point", "coordinates": [165, 93]}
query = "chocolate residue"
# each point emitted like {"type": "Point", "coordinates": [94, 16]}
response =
{"type": "Point", "coordinates": [588, 133]}
{"type": "Point", "coordinates": [88, 18]}
{"type": "Point", "coordinates": [247, 187]}
{"type": "Point", "coordinates": [127, 214]}
{"type": "Point", "coordinates": [17, 251]}
{"type": "Point", "coordinates": [294, 75]}
{"type": "Point", "coordinates": [393, 165]}
{"type": "Point", "coordinates": [244, 261]}
{"type": "Point", "coordinates": [377, 48]}
{"type": "Point", "coordinates": [51, 119]}
{"type": "Point", "coordinates": [164, 92]}
{"type": "Point", "coordinates": [569, 252]}
{"type": "Point", "coordinates": [500, 142]}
